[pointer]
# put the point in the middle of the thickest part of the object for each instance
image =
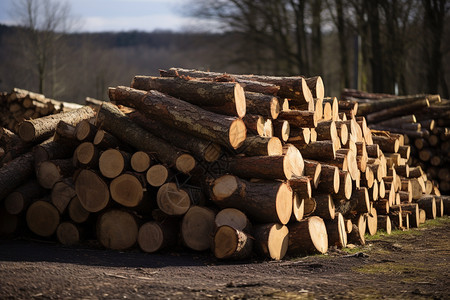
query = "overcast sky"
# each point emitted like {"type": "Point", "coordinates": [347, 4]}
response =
{"type": "Point", "coordinates": [121, 15]}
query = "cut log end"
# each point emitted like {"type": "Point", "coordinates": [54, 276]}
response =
{"type": "Point", "coordinates": [42, 218]}
{"type": "Point", "coordinates": [239, 99]}
{"type": "Point", "coordinates": [92, 191]}
{"type": "Point", "coordinates": [232, 217]}
{"type": "Point", "coordinates": [117, 230]}
{"type": "Point", "coordinates": [150, 237]}
{"type": "Point", "coordinates": [26, 131]}
{"type": "Point", "coordinates": [212, 152]}
{"type": "Point", "coordinates": [197, 228]}
{"type": "Point", "coordinates": [68, 234]}
{"type": "Point", "coordinates": [230, 243]}
{"type": "Point", "coordinates": [127, 190]}
{"type": "Point", "coordinates": [140, 161]}
{"type": "Point", "coordinates": [157, 175]}
{"type": "Point", "coordinates": [173, 200]}
{"type": "Point", "coordinates": [185, 163]}
{"type": "Point", "coordinates": [278, 241]}
{"type": "Point", "coordinates": [237, 133]}
{"type": "Point", "coordinates": [85, 153]}
{"type": "Point", "coordinates": [111, 163]}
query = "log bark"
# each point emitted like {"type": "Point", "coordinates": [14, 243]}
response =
{"type": "Point", "coordinates": [388, 113]}
{"type": "Point", "coordinates": [329, 179]}
{"type": "Point", "coordinates": [15, 173]}
{"type": "Point", "coordinates": [19, 200]}
{"type": "Point", "coordinates": [428, 204]}
{"type": "Point", "coordinates": [301, 186]}
{"type": "Point", "coordinates": [62, 193]}
{"type": "Point", "coordinates": [281, 129]}
{"type": "Point", "coordinates": [227, 131]}
{"type": "Point", "coordinates": [50, 150]}
{"type": "Point", "coordinates": [86, 155]}
{"type": "Point", "coordinates": [197, 228]}
{"type": "Point", "coordinates": [126, 130]}
{"type": "Point", "coordinates": [308, 236]}
{"type": "Point", "coordinates": [92, 191]}
{"type": "Point", "coordinates": [300, 118]}
{"type": "Point", "coordinates": [42, 128]}
{"type": "Point", "coordinates": [271, 240]}
{"type": "Point", "coordinates": [261, 104]}
{"type": "Point", "coordinates": [413, 211]}
{"type": "Point", "coordinates": [264, 202]}
{"type": "Point", "coordinates": [231, 243]}
{"type": "Point", "coordinates": [117, 229]}
{"type": "Point", "coordinates": [324, 206]}
{"type": "Point", "coordinates": [384, 223]}
{"type": "Point", "coordinates": [320, 150]}
{"type": "Point", "coordinates": [313, 169]}
{"type": "Point", "coordinates": [201, 93]}
{"type": "Point", "coordinates": [255, 145]}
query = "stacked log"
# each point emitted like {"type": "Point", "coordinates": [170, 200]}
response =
{"type": "Point", "coordinates": [422, 119]}
{"type": "Point", "coordinates": [234, 164]}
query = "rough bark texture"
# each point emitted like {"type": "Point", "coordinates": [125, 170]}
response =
{"type": "Point", "coordinates": [15, 173]}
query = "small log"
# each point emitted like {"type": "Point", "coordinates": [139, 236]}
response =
{"type": "Point", "coordinates": [413, 210]}
{"type": "Point", "coordinates": [105, 140]}
{"type": "Point", "coordinates": [422, 216]}
{"type": "Point", "coordinates": [62, 193]}
{"type": "Point", "coordinates": [382, 206]}
{"type": "Point", "coordinates": [17, 171]}
{"type": "Point", "coordinates": [51, 171]}
{"type": "Point", "coordinates": [428, 204]}
{"type": "Point", "coordinates": [308, 236]}
{"type": "Point", "coordinates": [42, 218]}
{"type": "Point", "coordinates": [42, 128]}
{"type": "Point", "coordinates": [127, 190]}
{"type": "Point", "coordinates": [336, 231]}
{"type": "Point", "coordinates": [231, 243]}
{"type": "Point", "coordinates": [76, 211]}
{"type": "Point", "coordinates": [119, 125]}
{"type": "Point", "coordinates": [313, 169]}
{"type": "Point", "coordinates": [320, 150]}
{"type": "Point", "coordinates": [255, 145]}
{"type": "Point", "coordinates": [384, 223]}
{"type": "Point", "coordinates": [281, 129]}
{"type": "Point", "coordinates": [271, 240]}
{"type": "Point", "coordinates": [262, 104]}
{"type": "Point", "coordinates": [234, 218]}
{"type": "Point", "coordinates": [356, 236]}
{"type": "Point", "coordinates": [117, 229]}
{"type": "Point", "coordinates": [264, 202]}
{"type": "Point", "coordinates": [154, 236]}
{"type": "Point", "coordinates": [301, 186]}
{"type": "Point", "coordinates": [68, 233]}
{"type": "Point", "coordinates": [299, 118]}
{"type": "Point", "coordinates": [173, 200]}
{"type": "Point", "coordinates": [329, 179]}
{"type": "Point", "coordinates": [92, 191]}
{"type": "Point", "coordinates": [50, 150]}
{"type": "Point", "coordinates": [372, 221]}
{"type": "Point", "coordinates": [113, 162]}
{"type": "Point", "coordinates": [157, 175]}
{"type": "Point", "coordinates": [299, 137]}
{"type": "Point", "coordinates": [345, 186]}
{"type": "Point", "coordinates": [19, 200]}
{"type": "Point", "coordinates": [86, 155]}
{"type": "Point", "coordinates": [85, 131]}
{"type": "Point", "coordinates": [298, 208]}
{"type": "Point", "coordinates": [197, 228]}
{"type": "Point", "coordinates": [140, 161]}
{"type": "Point", "coordinates": [387, 143]}
{"type": "Point", "coordinates": [324, 206]}
{"type": "Point", "coordinates": [360, 198]}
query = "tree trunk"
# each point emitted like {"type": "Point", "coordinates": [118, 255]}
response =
{"type": "Point", "coordinates": [42, 128]}
{"type": "Point", "coordinates": [281, 129]}
{"type": "Point", "coordinates": [140, 161]}
{"type": "Point", "coordinates": [329, 179]}
{"type": "Point", "coordinates": [50, 150]}
{"type": "Point", "coordinates": [308, 236]}
{"type": "Point", "coordinates": [313, 169]}
{"type": "Point", "coordinates": [157, 175]}
{"type": "Point", "coordinates": [227, 131]}
{"type": "Point", "coordinates": [320, 150]}
{"type": "Point", "coordinates": [264, 202]}
{"type": "Point", "coordinates": [117, 229]}
{"type": "Point", "coordinates": [428, 204]}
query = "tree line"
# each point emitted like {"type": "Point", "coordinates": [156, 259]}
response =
{"type": "Point", "coordinates": [389, 46]}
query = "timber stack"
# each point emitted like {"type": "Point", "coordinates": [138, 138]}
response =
{"type": "Point", "coordinates": [234, 164]}
{"type": "Point", "coordinates": [424, 120]}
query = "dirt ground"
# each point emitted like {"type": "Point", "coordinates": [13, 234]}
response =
{"type": "Point", "coordinates": [405, 265]}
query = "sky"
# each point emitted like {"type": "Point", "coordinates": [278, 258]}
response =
{"type": "Point", "coordinates": [121, 15]}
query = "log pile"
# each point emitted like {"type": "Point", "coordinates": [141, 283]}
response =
{"type": "Point", "coordinates": [422, 119]}
{"type": "Point", "coordinates": [19, 105]}
{"type": "Point", "coordinates": [234, 164]}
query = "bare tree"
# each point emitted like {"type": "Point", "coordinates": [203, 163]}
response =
{"type": "Point", "coordinates": [43, 23]}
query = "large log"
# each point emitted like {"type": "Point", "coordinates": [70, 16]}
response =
{"type": "Point", "coordinates": [92, 191]}
{"type": "Point", "coordinates": [294, 88]}
{"type": "Point", "coordinates": [271, 240]}
{"type": "Point", "coordinates": [264, 202]}
{"type": "Point", "coordinates": [117, 229]}
{"type": "Point", "coordinates": [42, 128]}
{"type": "Point", "coordinates": [202, 93]}
{"type": "Point", "coordinates": [42, 218]}
{"type": "Point", "coordinates": [227, 131]}
{"type": "Point", "coordinates": [122, 127]}
{"type": "Point", "coordinates": [197, 228]}
{"type": "Point", "coordinates": [200, 148]}
{"type": "Point", "coordinates": [308, 236]}
{"type": "Point", "coordinates": [68, 233]}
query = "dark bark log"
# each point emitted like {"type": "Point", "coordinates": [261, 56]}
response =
{"type": "Point", "coordinates": [308, 236]}
{"type": "Point", "coordinates": [17, 171]}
